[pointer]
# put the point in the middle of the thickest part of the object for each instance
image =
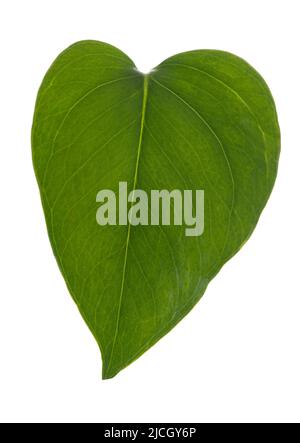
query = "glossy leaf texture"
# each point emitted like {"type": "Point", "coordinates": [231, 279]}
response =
{"type": "Point", "coordinates": [201, 120]}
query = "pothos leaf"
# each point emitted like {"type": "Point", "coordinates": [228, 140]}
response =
{"type": "Point", "coordinates": [202, 120]}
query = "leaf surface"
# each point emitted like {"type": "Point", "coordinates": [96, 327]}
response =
{"type": "Point", "coordinates": [202, 120]}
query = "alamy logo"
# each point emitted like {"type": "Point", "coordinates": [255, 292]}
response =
{"type": "Point", "coordinates": [159, 208]}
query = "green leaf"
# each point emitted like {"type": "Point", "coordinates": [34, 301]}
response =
{"type": "Point", "coordinates": [202, 120]}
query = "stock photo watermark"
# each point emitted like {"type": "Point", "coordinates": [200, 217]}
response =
{"type": "Point", "coordinates": [156, 208]}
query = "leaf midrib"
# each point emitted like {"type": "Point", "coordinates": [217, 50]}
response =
{"type": "Point", "coordinates": [144, 107]}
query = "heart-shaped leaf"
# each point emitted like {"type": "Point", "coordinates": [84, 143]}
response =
{"type": "Point", "coordinates": [202, 120]}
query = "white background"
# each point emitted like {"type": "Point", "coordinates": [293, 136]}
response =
{"type": "Point", "coordinates": [236, 357]}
